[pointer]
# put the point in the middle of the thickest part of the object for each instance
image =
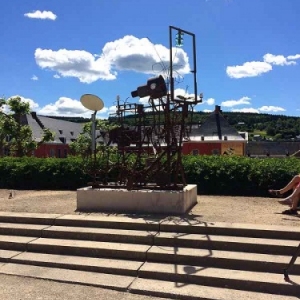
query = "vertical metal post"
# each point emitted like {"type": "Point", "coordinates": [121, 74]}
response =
{"type": "Point", "coordinates": [94, 133]}
{"type": "Point", "coordinates": [195, 67]}
{"type": "Point", "coordinates": [171, 64]}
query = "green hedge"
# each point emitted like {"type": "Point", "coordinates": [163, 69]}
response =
{"type": "Point", "coordinates": [234, 175]}
{"type": "Point", "coordinates": [214, 175]}
{"type": "Point", "coordinates": [40, 174]}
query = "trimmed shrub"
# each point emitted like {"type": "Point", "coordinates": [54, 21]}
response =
{"type": "Point", "coordinates": [214, 175]}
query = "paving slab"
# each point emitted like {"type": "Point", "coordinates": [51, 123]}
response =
{"type": "Point", "coordinates": [225, 242]}
{"type": "Point", "coordinates": [116, 282]}
{"type": "Point", "coordinates": [33, 218]}
{"type": "Point", "coordinates": [100, 234]}
{"type": "Point", "coordinates": [89, 248]}
{"type": "Point", "coordinates": [234, 279]}
{"type": "Point", "coordinates": [185, 225]}
{"type": "Point", "coordinates": [224, 259]}
{"type": "Point", "coordinates": [105, 265]}
{"type": "Point", "coordinates": [177, 290]}
{"type": "Point", "coordinates": [116, 222]}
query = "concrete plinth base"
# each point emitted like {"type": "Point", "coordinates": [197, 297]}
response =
{"type": "Point", "coordinates": [137, 201]}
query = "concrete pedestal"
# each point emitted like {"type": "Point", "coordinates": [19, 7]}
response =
{"type": "Point", "coordinates": [137, 201]}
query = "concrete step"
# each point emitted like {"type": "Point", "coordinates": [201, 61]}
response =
{"type": "Point", "coordinates": [84, 220]}
{"type": "Point", "coordinates": [234, 279]}
{"type": "Point", "coordinates": [223, 259]}
{"type": "Point", "coordinates": [176, 225]}
{"type": "Point", "coordinates": [237, 259]}
{"type": "Point", "coordinates": [231, 229]}
{"type": "Point", "coordinates": [228, 243]}
{"type": "Point", "coordinates": [100, 234]}
{"type": "Point", "coordinates": [189, 291]}
{"type": "Point", "coordinates": [33, 230]}
{"type": "Point", "coordinates": [110, 281]}
{"type": "Point", "coordinates": [204, 241]}
{"type": "Point", "coordinates": [90, 264]}
{"type": "Point", "coordinates": [163, 254]}
{"type": "Point", "coordinates": [74, 247]}
{"type": "Point", "coordinates": [80, 233]}
{"type": "Point", "coordinates": [201, 284]}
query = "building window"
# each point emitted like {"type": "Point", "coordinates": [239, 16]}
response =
{"type": "Point", "coordinates": [65, 152]}
{"type": "Point", "coordinates": [72, 132]}
{"type": "Point", "coordinates": [52, 152]}
{"type": "Point", "coordinates": [195, 152]}
{"type": "Point", "coordinates": [215, 152]}
{"type": "Point", "coordinates": [58, 153]}
{"type": "Point", "coordinates": [60, 131]}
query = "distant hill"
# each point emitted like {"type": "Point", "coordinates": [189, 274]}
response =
{"type": "Point", "coordinates": [268, 126]}
{"type": "Point", "coordinates": [71, 119]}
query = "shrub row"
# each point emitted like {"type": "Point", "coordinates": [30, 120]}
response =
{"type": "Point", "coordinates": [214, 175]}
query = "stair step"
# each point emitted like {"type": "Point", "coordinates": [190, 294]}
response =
{"type": "Point", "coordinates": [11, 242]}
{"type": "Point", "coordinates": [229, 243]}
{"type": "Point", "coordinates": [100, 234]}
{"type": "Point", "coordinates": [207, 241]}
{"type": "Point", "coordinates": [33, 218]}
{"type": "Point", "coordinates": [34, 230]}
{"type": "Point", "coordinates": [89, 248]}
{"type": "Point", "coordinates": [92, 264]}
{"type": "Point", "coordinates": [6, 255]}
{"type": "Point", "coordinates": [111, 281]}
{"type": "Point", "coordinates": [83, 220]}
{"type": "Point", "coordinates": [177, 290]}
{"type": "Point", "coordinates": [234, 229]}
{"type": "Point", "coordinates": [233, 279]}
{"type": "Point", "coordinates": [223, 259]}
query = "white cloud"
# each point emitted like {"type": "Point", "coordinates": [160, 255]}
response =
{"type": "Point", "coordinates": [65, 106]}
{"type": "Point", "coordinates": [41, 15]}
{"type": "Point", "coordinates": [246, 110]}
{"type": "Point", "coordinates": [207, 110]}
{"type": "Point", "coordinates": [293, 57]}
{"type": "Point", "coordinates": [34, 78]}
{"type": "Point", "coordinates": [248, 69]}
{"type": "Point", "coordinates": [278, 60]}
{"type": "Point", "coordinates": [269, 109]}
{"type": "Point", "coordinates": [56, 76]}
{"type": "Point", "coordinates": [256, 68]}
{"type": "Point", "coordinates": [126, 54]}
{"type": "Point", "coordinates": [241, 101]}
{"type": "Point", "coordinates": [209, 101]}
{"type": "Point", "coordinates": [263, 109]}
{"type": "Point", "coordinates": [74, 63]}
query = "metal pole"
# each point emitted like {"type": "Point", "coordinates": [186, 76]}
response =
{"type": "Point", "coordinates": [195, 67]}
{"type": "Point", "coordinates": [171, 64]}
{"type": "Point", "coordinates": [94, 132]}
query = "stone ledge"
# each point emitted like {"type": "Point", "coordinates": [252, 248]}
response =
{"type": "Point", "coordinates": [137, 201]}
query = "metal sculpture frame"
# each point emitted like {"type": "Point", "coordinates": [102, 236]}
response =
{"type": "Point", "coordinates": [148, 153]}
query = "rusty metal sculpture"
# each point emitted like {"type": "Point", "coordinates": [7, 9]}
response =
{"type": "Point", "coordinates": [149, 152]}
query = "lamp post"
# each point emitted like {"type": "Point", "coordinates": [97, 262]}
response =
{"type": "Point", "coordinates": [94, 103]}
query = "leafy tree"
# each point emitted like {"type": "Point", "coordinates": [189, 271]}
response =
{"type": "Point", "coordinates": [14, 134]}
{"type": "Point", "coordinates": [82, 145]}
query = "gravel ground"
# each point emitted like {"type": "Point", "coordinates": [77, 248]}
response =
{"type": "Point", "coordinates": [209, 208]}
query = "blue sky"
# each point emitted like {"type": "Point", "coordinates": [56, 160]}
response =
{"type": "Point", "coordinates": [248, 52]}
